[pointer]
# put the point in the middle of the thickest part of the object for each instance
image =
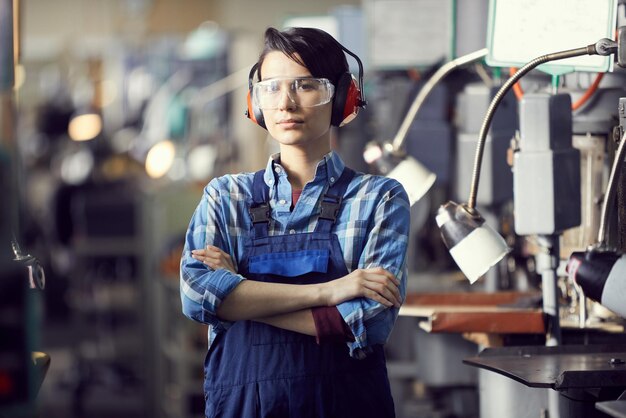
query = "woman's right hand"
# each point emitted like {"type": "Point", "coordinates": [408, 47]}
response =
{"type": "Point", "coordinates": [376, 284]}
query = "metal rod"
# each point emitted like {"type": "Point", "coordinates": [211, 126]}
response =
{"type": "Point", "coordinates": [9, 208]}
{"type": "Point", "coordinates": [400, 138]}
{"type": "Point", "coordinates": [547, 263]}
{"type": "Point", "coordinates": [609, 196]}
{"type": "Point", "coordinates": [480, 146]}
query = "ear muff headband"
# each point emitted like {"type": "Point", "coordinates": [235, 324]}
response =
{"type": "Point", "coordinates": [349, 97]}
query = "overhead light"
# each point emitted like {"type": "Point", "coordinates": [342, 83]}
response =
{"type": "Point", "coordinates": [201, 161]}
{"type": "Point", "coordinates": [472, 243]}
{"type": "Point", "coordinates": [76, 167]}
{"type": "Point", "coordinates": [160, 159]}
{"type": "Point", "coordinates": [391, 159]}
{"type": "Point", "coordinates": [85, 126]}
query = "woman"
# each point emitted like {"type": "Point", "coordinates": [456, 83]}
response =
{"type": "Point", "coordinates": [299, 270]}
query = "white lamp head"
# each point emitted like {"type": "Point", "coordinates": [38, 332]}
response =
{"type": "Point", "coordinates": [473, 244]}
{"type": "Point", "coordinates": [414, 176]}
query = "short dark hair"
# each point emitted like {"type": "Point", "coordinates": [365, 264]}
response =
{"type": "Point", "coordinates": [318, 51]}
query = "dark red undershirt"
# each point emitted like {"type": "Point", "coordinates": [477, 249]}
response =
{"type": "Point", "coordinates": [329, 324]}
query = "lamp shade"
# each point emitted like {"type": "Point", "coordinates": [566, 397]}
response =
{"type": "Point", "coordinates": [473, 244]}
{"type": "Point", "coordinates": [410, 173]}
{"type": "Point", "coordinates": [602, 276]}
{"type": "Point", "coordinates": [414, 177]}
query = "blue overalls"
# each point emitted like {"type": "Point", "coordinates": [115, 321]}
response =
{"type": "Point", "coordinates": [255, 370]}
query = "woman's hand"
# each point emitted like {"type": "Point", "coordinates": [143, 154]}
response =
{"type": "Point", "coordinates": [215, 258]}
{"type": "Point", "coordinates": [374, 283]}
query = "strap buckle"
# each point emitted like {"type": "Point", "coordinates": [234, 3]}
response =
{"type": "Point", "coordinates": [330, 210]}
{"type": "Point", "coordinates": [260, 213]}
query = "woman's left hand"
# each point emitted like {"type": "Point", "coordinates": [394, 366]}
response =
{"type": "Point", "coordinates": [215, 258]}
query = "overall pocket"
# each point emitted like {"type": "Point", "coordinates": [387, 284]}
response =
{"type": "Point", "coordinates": [301, 267]}
{"type": "Point", "coordinates": [292, 263]}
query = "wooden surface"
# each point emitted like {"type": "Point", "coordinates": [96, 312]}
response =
{"type": "Point", "coordinates": [475, 312]}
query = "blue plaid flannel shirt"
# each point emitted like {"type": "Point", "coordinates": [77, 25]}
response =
{"type": "Point", "coordinates": [372, 228]}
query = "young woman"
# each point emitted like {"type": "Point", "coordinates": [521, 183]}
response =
{"type": "Point", "coordinates": [299, 269]}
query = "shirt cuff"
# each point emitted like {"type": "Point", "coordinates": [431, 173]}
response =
{"type": "Point", "coordinates": [355, 314]}
{"type": "Point", "coordinates": [330, 326]}
{"type": "Point", "coordinates": [221, 283]}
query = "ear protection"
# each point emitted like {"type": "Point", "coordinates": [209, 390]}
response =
{"type": "Point", "coordinates": [348, 99]}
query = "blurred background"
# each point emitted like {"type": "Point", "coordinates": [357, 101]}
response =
{"type": "Point", "coordinates": [116, 113]}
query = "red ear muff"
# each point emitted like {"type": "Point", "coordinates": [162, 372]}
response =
{"type": "Point", "coordinates": [347, 100]}
{"type": "Point", "coordinates": [254, 113]}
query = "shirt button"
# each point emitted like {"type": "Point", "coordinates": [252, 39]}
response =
{"type": "Point", "coordinates": [278, 169]}
{"type": "Point", "coordinates": [332, 179]}
{"type": "Point", "coordinates": [282, 201]}
{"type": "Point", "coordinates": [292, 231]}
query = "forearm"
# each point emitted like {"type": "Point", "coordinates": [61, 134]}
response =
{"type": "Point", "coordinates": [299, 321]}
{"type": "Point", "coordinates": [253, 300]}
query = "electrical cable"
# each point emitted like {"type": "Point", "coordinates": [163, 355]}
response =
{"type": "Point", "coordinates": [519, 93]}
{"type": "Point", "coordinates": [588, 93]}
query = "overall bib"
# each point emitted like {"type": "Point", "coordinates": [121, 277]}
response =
{"type": "Point", "coordinates": [254, 370]}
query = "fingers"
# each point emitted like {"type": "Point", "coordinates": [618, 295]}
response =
{"type": "Point", "coordinates": [382, 271]}
{"type": "Point", "coordinates": [384, 284]}
{"type": "Point", "coordinates": [213, 257]}
{"type": "Point", "coordinates": [388, 290]}
{"type": "Point", "coordinates": [370, 294]}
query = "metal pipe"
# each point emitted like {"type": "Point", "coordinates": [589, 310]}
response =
{"type": "Point", "coordinates": [400, 138]}
{"type": "Point", "coordinates": [609, 196]}
{"type": "Point", "coordinates": [547, 263]}
{"type": "Point", "coordinates": [480, 147]}
{"type": "Point", "coordinates": [7, 58]}
{"type": "Point", "coordinates": [9, 207]}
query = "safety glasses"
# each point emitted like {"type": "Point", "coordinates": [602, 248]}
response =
{"type": "Point", "coordinates": [303, 91]}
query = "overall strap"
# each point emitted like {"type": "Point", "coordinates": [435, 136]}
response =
{"type": "Point", "coordinates": [260, 208]}
{"type": "Point", "coordinates": [331, 202]}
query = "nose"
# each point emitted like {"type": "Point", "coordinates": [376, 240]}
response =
{"type": "Point", "coordinates": [285, 101]}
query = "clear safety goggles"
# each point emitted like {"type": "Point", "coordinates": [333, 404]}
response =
{"type": "Point", "coordinates": [303, 91]}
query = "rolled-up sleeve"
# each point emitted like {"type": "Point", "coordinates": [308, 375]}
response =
{"type": "Point", "coordinates": [201, 288]}
{"type": "Point", "coordinates": [387, 241]}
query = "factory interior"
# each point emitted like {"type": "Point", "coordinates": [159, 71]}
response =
{"type": "Point", "coordinates": [503, 120]}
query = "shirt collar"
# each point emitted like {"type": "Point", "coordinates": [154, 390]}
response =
{"type": "Point", "coordinates": [329, 168]}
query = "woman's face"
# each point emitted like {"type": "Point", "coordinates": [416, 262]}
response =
{"type": "Point", "coordinates": [291, 124]}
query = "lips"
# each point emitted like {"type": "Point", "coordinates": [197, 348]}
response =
{"type": "Point", "coordinates": [289, 121]}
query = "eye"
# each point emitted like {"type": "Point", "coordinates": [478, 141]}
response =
{"type": "Point", "coordinates": [273, 87]}
{"type": "Point", "coordinates": [307, 85]}
{"type": "Point", "coordinates": [269, 87]}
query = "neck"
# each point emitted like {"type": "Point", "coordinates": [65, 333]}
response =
{"type": "Point", "coordinates": [300, 164]}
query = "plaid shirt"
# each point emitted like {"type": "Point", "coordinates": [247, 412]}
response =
{"type": "Point", "coordinates": [372, 228]}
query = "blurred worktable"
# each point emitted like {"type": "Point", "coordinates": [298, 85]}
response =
{"type": "Point", "coordinates": [559, 368]}
{"type": "Point", "coordinates": [491, 313]}
{"type": "Point", "coordinates": [615, 409]}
